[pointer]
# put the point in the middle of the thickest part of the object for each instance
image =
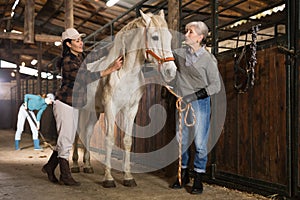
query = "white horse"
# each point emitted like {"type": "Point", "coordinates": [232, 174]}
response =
{"type": "Point", "coordinates": [145, 38]}
{"type": "Point", "coordinates": [87, 115]}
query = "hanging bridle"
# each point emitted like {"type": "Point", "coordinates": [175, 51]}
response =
{"type": "Point", "coordinates": [160, 60]}
{"type": "Point", "coordinates": [245, 77]}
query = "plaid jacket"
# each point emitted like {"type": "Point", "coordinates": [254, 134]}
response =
{"type": "Point", "coordinates": [75, 78]}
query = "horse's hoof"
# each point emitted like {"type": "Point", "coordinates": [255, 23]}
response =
{"type": "Point", "coordinates": [75, 169]}
{"type": "Point", "coordinates": [88, 170]}
{"type": "Point", "coordinates": [109, 184]}
{"type": "Point", "coordinates": [130, 183]}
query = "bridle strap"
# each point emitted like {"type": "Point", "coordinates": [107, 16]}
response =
{"type": "Point", "coordinates": [159, 59]}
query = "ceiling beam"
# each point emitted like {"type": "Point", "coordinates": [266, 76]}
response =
{"type": "Point", "coordinates": [27, 51]}
{"type": "Point", "coordinates": [37, 37]}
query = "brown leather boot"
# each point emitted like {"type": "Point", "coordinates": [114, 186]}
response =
{"type": "Point", "coordinates": [49, 168]}
{"type": "Point", "coordinates": [65, 173]}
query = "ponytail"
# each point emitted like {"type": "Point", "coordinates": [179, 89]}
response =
{"type": "Point", "coordinates": [65, 51]}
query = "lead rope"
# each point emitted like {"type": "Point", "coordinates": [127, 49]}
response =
{"type": "Point", "coordinates": [187, 108]}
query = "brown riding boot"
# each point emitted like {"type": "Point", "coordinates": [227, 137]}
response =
{"type": "Point", "coordinates": [65, 173]}
{"type": "Point", "coordinates": [49, 168]}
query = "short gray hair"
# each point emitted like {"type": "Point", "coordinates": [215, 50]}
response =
{"type": "Point", "coordinates": [200, 28]}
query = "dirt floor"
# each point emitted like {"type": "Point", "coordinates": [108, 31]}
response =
{"type": "Point", "coordinates": [21, 179]}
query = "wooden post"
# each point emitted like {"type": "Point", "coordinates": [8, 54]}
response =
{"type": "Point", "coordinates": [29, 22]}
{"type": "Point", "coordinates": [170, 127]}
{"type": "Point", "coordinates": [214, 50]}
{"type": "Point", "coordinates": [18, 79]}
{"type": "Point", "coordinates": [69, 17]}
{"type": "Point", "coordinates": [174, 21]}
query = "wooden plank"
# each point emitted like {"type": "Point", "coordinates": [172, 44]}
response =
{"type": "Point", "coordinates": [280, 154]}
{"type": "Point", "coordinates": [37, 37]}
{"type": "Point", "coordinates": [260, 120]}
{"type": "Point", "coordinates": [47, 38]}
{"type": "Point", "coordinates": [228, 141]}
{"type": "Point", "coordinates": [26, 51]}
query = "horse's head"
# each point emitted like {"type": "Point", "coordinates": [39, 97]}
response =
{"type": "Point", "coordinates": [158, 44]}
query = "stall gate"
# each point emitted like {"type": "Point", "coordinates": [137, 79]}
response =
{"type": "Point", "coordinates": [256, 151]}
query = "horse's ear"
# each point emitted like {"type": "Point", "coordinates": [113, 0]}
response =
{"type": "Point", "coordinates": [146, 18]}
{"type": "Point", "coordinates": [161, 13]}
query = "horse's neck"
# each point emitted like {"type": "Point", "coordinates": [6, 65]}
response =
{"type": "Point", "coordinates": [130, 45]}
{"type": "Point", "coordinates": [133, 62]}
{"type": "Point", "coordinates": [132, 67]}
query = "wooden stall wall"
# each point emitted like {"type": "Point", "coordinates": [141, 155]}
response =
{"type": "Point", "coordinates": [253, 144]}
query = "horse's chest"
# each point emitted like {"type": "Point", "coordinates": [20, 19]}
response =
{"type": "Point", "coordinates": [127, 89]}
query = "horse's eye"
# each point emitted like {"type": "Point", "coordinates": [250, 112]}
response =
{"type": "Point", "coordinates": [155, 37]}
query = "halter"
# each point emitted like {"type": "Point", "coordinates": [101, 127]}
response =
{"type": "Point", "coordinates": [160, 60]}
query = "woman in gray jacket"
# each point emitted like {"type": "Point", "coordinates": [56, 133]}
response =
{"type": "Point", "coordinates": [197, 79]}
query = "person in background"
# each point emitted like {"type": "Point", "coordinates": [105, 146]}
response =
{"type": "Point", "coordinates": [32, 102]}
{"type": "Point", "coordinates": [69, 97]}
{"type": "Point", "coordinates": [197, 79]}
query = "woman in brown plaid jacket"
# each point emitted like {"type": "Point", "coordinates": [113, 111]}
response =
{"type": "Point", "coordinates": [65, 107]}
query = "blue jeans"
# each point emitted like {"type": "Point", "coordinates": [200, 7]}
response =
{"type": "Point", "coordinates": [198, 133]}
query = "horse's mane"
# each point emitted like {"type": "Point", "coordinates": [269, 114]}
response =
{"type": "Point", "coordinates": [136, 23]}
{"type": "Point", "coordinates": [120, 39]}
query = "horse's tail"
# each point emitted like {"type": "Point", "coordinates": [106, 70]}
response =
{"type": "Point", "coordinates": [99, 108]}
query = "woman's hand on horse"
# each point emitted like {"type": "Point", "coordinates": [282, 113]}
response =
{"type": "Point", "coordinates": [116, 65]}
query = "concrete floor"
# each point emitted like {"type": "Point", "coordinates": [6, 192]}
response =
{"type": "Point", "coordinates": [21, 178]}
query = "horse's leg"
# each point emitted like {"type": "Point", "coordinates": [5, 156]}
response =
{"type": "Point", "coordinates": [128, 118]}
{"type": "Point", "coordinates": [109, 139]}
{"type": "Point", "coordinates": [75, 168]}
{"type": "Point", "coordinates": [87, 167]}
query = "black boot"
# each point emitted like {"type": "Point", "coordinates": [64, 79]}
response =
{"type": "Point", "coordinates": [49, 168]}
{"type": "Point", "coordinates": [65, 173]}
{"type": "Point", "coordinates": [197, 186]}
{"type": "Point", "coordinates": [185, 179]}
